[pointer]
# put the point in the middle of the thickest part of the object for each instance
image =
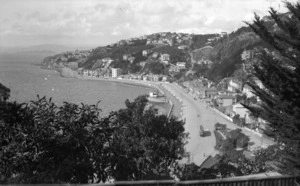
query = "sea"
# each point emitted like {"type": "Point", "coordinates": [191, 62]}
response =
{"type": "Point", "coordinates": [21, 73]}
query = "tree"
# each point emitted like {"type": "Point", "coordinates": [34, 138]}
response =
{"type": "Point", "coordinates": [279, 74]}
{"type": "Point", "coordinates": [4, 93]}
{"type": "Point", "coordinates": [145, 146]}
{"type": "Point", "coordinates": [44, 143]}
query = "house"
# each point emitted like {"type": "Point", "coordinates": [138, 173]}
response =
{"type": "Point", "coordinates": [115, 72]}
{"type": "Point", "coordinates": [143, 63]}
{"type": "Point", "coordinates": [209, 162]}
{"type": "Point", "coordinates": [85, 73]}
{"type": "Point", "coordinates": [247, 90]}
{"type": "Point", "coordinates": [145, 53]}
{"type": "Point", "coordinates": [234, 85]}
{"type": "Point", "coordinates": [155, 78]}
{"type": "Point", "coordinates": [226, 100]}
{"type": "Point", "coordinates": [180, 65]}
{"type": "Point", "coordinates": [165, 62]}
{"type": "Point", "coordinates": [125, 57]}
{"type": "Point", "coordinates": [182, 47]}
{"type": "Point", "coordinates": [211, 93]}
{"type": "Point", "coordinates": [223, 34]}
{"type": "Point", "coordinates": [145, 78]}
{"type": "Point", "coordinates": [155, 55]}
{"type": "Point", "coordinates": [174, 68]}
{"type": "Point", "coordinates": [131, 59]}
{"type": "Point", "coordinates": [107, 60]}
{"type": "Point", "coordinates": [165, 57]}
{"type": "Point", "coordinates": [165, 78]}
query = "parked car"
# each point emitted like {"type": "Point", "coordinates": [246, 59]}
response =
{"type": "Point", "coordinates": [202, 132]}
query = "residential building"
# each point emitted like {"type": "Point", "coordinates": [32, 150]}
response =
{"type": "Point", "coordinates": [165, 57]}
{"type": "Point", "coordinates": [226, 100]}
{"type": "Point", "coordinates": [155, 55]}
{"type": "Point", "coordinates": [165, 78]}
{"type": "Point", "coordinates": [174, 68]}
{"type": "Point", "coordinates": [107, 60]}
{"type": "Point", "coordinates": [155, 78]}
{"type": "Point", "coordinates": [145, 78]}
{"type": "Point", "coordinates": [209, 162]}
{"type": "Point", "coordinates": [145, 53]}
{"type": "Point", "coordinates": [234, 85]}
{"type": "Point", "coordinates": [131, 59]}
{"type": "Point", "coordinates": [85, 73]}
{"type": "Point", "coordinates": [182, 47]}
{"type": "Point", "coordinates": [125, 57]}
{"type": "Point", "coordinates": [223, 34]}
{"type": "Point", "coordinates": [180, 65]}
{"type": "Point", "coordinates": [211, 93]}
{"type": "Point", "coordinates": [247, 90]}
{"type": "Point", "coordinates": [143, 63]}
{"type": "Point", "coordinates": [115, 72]}
{"type": "Point", "coordinates": [240, 110]}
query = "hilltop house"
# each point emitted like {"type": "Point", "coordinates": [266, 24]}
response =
{"type": "Point", "coordinates": [174, 68]}
{"type": "Point", "coordinates": [182, 47]}
{"type": "Point", "coordinates": [145, 53]}
{"type": "Point", "coordinates": [180, 65]}
{"type": "Point", "coordinates": [155, 55]}
{"type": "Point", "coordinates": [143, 63]}
{"type": "Point", "coordinates": [107, 60]}
{"type": "Point", "coordinates": [165, 57]}
{"type": "Point", "coordinates": [131, 59]}
{"type": "Point", "coordinates": [126, 56]}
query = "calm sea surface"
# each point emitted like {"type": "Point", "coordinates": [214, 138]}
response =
{"type": "Point", "coordinates": [27, 80]}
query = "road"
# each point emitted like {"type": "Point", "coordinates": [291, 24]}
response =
{"type": "Point", "coordinates": [195, 112]}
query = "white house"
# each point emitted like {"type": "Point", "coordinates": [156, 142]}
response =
{"type": "Point", "coordinates": [247, 90]}
{"type": "Point", "coordinates": [234, 85]}
{"type": "Point", "coordinates": [181, 65]}
{"type": "Point", "coordinates": [165, 57]}
{"type": "Point", "coordinates": [145, 53]}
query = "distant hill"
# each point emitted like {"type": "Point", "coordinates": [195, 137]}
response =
{"type": "Point", "coordinates": [214, 56]}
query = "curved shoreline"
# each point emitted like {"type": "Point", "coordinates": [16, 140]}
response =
{"type": "Point", "coordinates": [176, 104]}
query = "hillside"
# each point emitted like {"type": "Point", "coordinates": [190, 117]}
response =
{"type": "Point", "coordinates": [214, 56]}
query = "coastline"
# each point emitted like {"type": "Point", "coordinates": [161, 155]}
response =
{"type": "Point", "coordinates": [174, 102]}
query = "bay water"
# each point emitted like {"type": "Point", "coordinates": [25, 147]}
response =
{"type": "Point", "coordinates": [21, 74]}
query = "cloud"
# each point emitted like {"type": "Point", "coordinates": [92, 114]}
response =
{"type": "Point", "coordinates": [106, 21]}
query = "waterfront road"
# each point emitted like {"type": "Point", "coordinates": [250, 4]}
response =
{"type": "Point", "coordinates": [196, 113]}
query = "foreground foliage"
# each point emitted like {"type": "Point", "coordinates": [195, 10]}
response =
{"type": "Point", "coordinates": [279, 72]}
{"type": "Point", "coordinates": [45, 143]}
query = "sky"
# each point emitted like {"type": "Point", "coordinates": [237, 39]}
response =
{"type": "Point", "coordinates": [101, 22]}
